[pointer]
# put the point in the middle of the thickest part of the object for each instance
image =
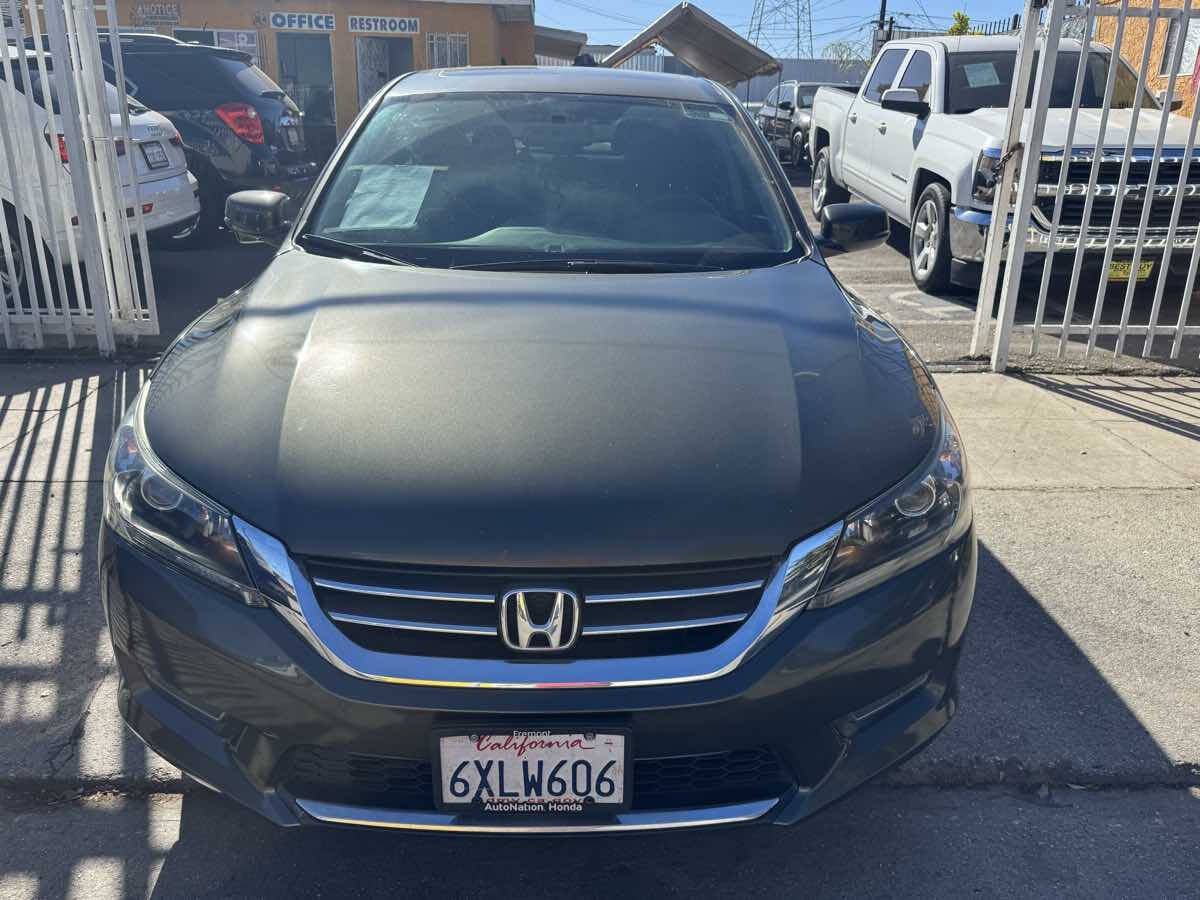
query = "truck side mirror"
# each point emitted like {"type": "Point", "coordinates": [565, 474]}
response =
{"type": "Point", "coordinates": [1176, 102]}
{"type": "Point", "coordinates": [785, 105]}
{"type": "Point", "coordinates": [904, 100]}
{"type": "Point", "coordinates": [852, 226]}
{"type": "Point", "coordinates": [256, 217]}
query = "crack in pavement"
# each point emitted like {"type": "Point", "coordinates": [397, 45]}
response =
{"type": "Point", "coordinates": [70, 743]}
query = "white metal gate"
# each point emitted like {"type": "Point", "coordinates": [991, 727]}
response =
{"type": "Point", "coordinates": [73, 241]}
{"type": "Point", "coordinates": [1116, 201]}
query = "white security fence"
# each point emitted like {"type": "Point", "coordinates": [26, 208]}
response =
{"type": "Point", "coordinates": [1136, 209]}
{"type": "Point", "coordinates": [74, 260]}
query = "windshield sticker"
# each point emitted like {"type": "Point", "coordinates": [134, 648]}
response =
{"type": "Point", "coordinates": [388, 196]}
{"type": "Point", "coordinates": [981, 74]}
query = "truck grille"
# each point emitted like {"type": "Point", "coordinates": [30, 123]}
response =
{"type": "Point", "coordinates": [456, 613]}
{"type": "Point", "coordinates": [318, 773]}
{"type": "Point", "coordinates": [1131, 211]}
{"type": "Point", "coordinates": [1080, 172]}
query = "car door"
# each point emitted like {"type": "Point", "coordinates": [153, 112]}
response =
{"type": "Point", "coordinates": [862, 123]}
{"type": "Point", "coordinates": [784, 107]}
{"type": "Point", "coordinates": [766, 112]}
{"type": "Point", "coordinates": [897, 137]}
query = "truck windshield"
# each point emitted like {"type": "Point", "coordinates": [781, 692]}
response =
{"type": "Point", "coordinates": [983, 80]}
{"type": "Point", "coordinates": [476, 178]}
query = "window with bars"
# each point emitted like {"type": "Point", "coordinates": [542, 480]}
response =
{"type": "Point", "coordinates": [1191, 43]}
{"type": "Point", "coordinates": [445, 51]}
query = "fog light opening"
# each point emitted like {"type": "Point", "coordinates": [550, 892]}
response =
{"type": "Point", "coordinates": [873, 709]}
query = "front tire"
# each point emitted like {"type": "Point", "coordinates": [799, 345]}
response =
{"type": "Point", "coordinates": [929, 240]}
{"type": "Point", "coordinates": [824, 189]}
{"type": "Point", "coordinates": [799, 149]}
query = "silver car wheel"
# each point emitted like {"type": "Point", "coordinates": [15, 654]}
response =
{"type": "Point", "coordinates": [925, 239]}
{"type": "Point", "coordinates": [819, 187]}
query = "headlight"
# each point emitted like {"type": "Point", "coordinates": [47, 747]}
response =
{"type": "Point", "coordinates": [987, 176]}
{"type": "Point", "coordinates": [910, 523]}
{"type": "Point", "coordinates": [149, 506]}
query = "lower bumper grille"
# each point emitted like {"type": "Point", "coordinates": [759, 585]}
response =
{"type": "Point", "coordinates": [333, 776]}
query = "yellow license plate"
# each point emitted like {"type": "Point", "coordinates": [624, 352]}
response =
{"type": "Point", "coordinates": [1121, 269]}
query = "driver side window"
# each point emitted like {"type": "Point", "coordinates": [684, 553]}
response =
{"type": "Point", "coordinates": [919, 74]}
{"type": "Point", "coordinates": [884, 73]}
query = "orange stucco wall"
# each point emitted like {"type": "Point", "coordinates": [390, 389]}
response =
{"type": "Point", "coordinates": [1133, 44]}
{"type": "Point", "coordinates": [490, 39]}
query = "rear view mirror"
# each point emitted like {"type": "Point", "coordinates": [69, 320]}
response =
{"type": "Point", "coordinates": [257, 217]}
{"type": "Point", "coordinates": [852, 226]}
{"type": "Point", "coordinates": [904, 100]}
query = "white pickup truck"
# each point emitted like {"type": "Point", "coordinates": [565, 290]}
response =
{"type": "Point", "coordinates": [922, 138]}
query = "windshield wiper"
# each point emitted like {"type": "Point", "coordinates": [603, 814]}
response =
{"type": "Point", "coordinates": [349, 250]}
{"type": "Point", "coordinates": [586, 265]}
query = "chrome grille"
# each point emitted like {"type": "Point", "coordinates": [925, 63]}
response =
{"type": "Point", "coordinates": [455, 613]}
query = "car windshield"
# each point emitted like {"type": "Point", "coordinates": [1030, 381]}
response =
{"type": "Point", "coordinates": [460, 179]}
{"type": "Point", "coordinates": [983, 80]}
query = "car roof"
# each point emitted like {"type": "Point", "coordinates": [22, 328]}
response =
{"type": "Point", "coordinates": [992, 43]}
{"type": "Point", "coordinates": [561, 80]}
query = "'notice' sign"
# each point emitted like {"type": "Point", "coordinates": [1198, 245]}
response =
{"type": "Point", "coordinates": [385, 24]}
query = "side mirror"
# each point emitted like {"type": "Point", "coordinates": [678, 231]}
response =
{"type": "Point", "coordinates": [256, 217]}
{"type": "Point", "coordinates": [904, 100]}
{"type": "Point", "coordinates": [852, 226]}
{"type": "Point", "coordinates": [785, 105]}
{"type": "Point", "coordinates": [1176, 102]}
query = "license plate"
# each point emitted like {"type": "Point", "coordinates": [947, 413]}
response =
{"type": "Point", "coordinates": [156, 156]}
{"type": "Point", "coordinates": [1121, 269]}
{"type": "Point", "coordinates": [291, 138]}
{"type": "Point", "coordinates": [536, 771]}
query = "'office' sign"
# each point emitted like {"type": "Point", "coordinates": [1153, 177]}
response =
{"type": "Point", "coordinates": [291, 21]}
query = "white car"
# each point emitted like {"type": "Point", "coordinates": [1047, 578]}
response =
{"type": "Point", "coordinates": [153, 155]}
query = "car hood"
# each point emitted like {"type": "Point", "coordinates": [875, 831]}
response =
{"type": "Point", "coordinates": [539, 420]}
{"type": "Point", "coordinates": [1087, 127]}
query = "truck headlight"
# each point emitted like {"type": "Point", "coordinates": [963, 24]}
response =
{"type": "Point", "coordinates": [149, 506]}
{"type": "Point", "coordinates": [912, 522]}
{"type": "Point", "coordinates": [987, 175]}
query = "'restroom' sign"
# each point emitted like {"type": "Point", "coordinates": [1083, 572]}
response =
{"type": "Point", "coordinates": [384, 24]}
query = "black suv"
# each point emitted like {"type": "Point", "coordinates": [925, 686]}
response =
{"type": "Point", "coordinates": [239, 129]}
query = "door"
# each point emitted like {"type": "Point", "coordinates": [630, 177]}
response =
{"type": "Point", "coordinates": [306, 75]}
{"type": "Point", "coordinates": [766, 112]}
{"type": "Point", "coordinates": [380, 59]}
{"type": "Point", "coordinates": [862, 123]}
{"type": "Point", "coordinates": [898, 135]}
{"type": "Point", "coordinates": [781, 125]}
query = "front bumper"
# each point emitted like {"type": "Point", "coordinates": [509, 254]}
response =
{"type": "Point", "coordinates": [969, 228]}
{"type": "Point", "coordinates": [229, 693]}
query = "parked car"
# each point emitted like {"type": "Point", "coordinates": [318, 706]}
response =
{"type": "Point", "coordinates": [491, 506]}
{"type": "Point", "coordinates": [923, 138]}
{"type": "Point", "coordinates": [154, 156]}
{"type": "Point", "coordinates": [240, 131]}
{"type": "Point", "coordinates": [784, 117]}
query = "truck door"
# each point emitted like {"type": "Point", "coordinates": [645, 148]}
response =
{"type": "Point", "coordinates": [862, 123]}
{"type": "Point", "coordinates": [897, 137]}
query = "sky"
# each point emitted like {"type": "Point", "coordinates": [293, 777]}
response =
{"type": "Point", "coordinates": [615, 21]}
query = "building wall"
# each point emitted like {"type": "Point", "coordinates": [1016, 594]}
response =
{"type": "Point", "coordinates": [1133, 44]}
{"type": "Point", "coordinates": [490, 39]}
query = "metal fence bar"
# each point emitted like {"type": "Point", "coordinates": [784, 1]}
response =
{"type": "Point", "coordinates": [994, 245]}
{"type": "Point", "coordinates": [1181, 184]}
{"type": "Point", "coordinates": [1030, 165]}
{"type": "Point", "coordinates": [1123, 180]}
{"type": "Point", "coordinates": [1064, 170]}
{"type": "Point", "coordinates": [1186, 299]}
{"type": "Point", "coordinates": [1148, 201]}
{"type": "Point", "coordinates": [1097, 154]}
{"type": "Point", "coordinates": [147, 278]}
{"type": "Point", "coordinates": [88, 211]}
{"type": "Point", "coordinates": [56, 218]}
{"type": "Point", "coordinates": [16, 170]}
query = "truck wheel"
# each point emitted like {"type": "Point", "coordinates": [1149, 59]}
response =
{"type": "Point", "coordinates": [824, 189]}
{"type": "Point", "coordinates": [929, 240]}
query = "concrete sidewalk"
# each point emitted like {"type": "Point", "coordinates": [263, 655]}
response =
{"type": "Point", "coordinates": [1082, 664]}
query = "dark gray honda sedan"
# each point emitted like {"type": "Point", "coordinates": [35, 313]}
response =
{"type": "Point", "coordinates": [546, 480]}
